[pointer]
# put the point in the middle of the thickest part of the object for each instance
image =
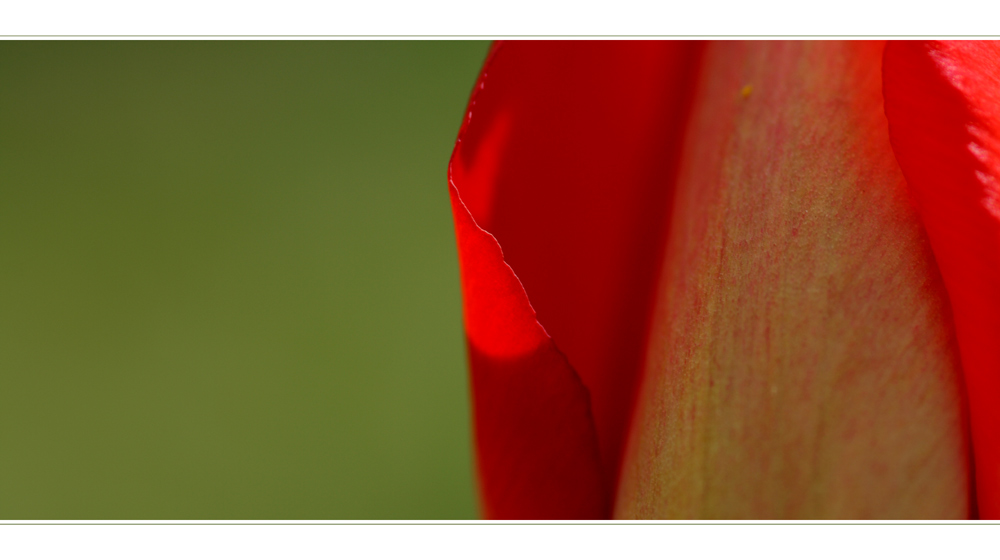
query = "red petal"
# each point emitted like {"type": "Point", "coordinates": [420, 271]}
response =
{"type": "Point", "coordinates": [942, 100]}
{"type": "Point", "coordinates": [567, 157]}
{"type": "Point", "coordinates": [804, 364]}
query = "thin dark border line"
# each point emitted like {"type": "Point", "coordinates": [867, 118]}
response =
{"type": "Point", "coordinates": [489, 36]}
{"type": "Point", "coordinates": [644, 523]}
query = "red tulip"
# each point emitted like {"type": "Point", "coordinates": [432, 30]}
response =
{"type": "Point", "coordinates": [733, 280]}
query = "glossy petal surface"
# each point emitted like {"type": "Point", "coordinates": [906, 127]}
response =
{"type": "Point", "coordinates": [942, 100]}
{"type": "Point", "coordinates": [802, 361]}
{"type": "Point", "coordinates": [566, 159]}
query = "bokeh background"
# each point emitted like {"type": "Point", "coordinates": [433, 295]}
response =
{"type": "Point", "coordinates": [228, 280]}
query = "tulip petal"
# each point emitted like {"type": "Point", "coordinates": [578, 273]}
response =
{"type": "Point", "coordinates": [537, 448]}
{"type": "Point", "coordinates": [942, 100]}
{"type": "Point", "coordinates": [802, 359]}
{"type": "Point", "coordinates": [566, 159]}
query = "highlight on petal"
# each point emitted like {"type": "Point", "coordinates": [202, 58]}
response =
{"type": "Point", "coordinates": [537, 449]}
{"type": "Point", "coordinates": [802, 362]}
{"type": "Point", "coordinates": [942, 101]}
{"type": "Point", "coordinates": [566, 161]}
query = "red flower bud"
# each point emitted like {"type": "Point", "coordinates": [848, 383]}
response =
{"type": "Point", "coordinates": [696, 283]}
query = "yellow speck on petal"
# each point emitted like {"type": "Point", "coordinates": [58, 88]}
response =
{"type": "Point", "coordinates": [746, 91]}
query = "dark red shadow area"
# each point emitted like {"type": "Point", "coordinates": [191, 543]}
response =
{"type": "Point", "coordinates": [567, 157]}
{"type": "Point", "coordinates": [566, 483]}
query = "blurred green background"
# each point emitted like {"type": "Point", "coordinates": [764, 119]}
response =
{"type": "Point", "coordinates": [228, 281]}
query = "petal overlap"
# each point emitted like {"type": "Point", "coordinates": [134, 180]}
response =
{"type": "Point", "coordinates": [567, 159]}
{"type": "Point", "coordinates": [942, 100]}
{"type": "Point", "coordinates": [733, 279]}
